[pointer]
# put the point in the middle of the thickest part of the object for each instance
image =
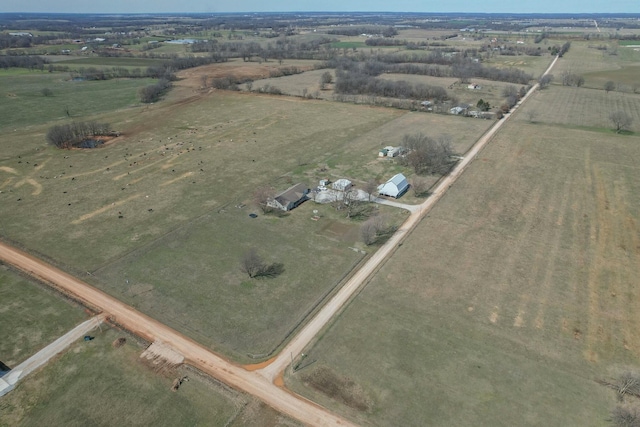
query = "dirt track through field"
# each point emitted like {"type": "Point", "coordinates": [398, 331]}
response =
{"type": "Point", "coordinates": [259, 383]}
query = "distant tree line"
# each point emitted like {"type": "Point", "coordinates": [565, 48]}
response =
{"type": "Point", "coordinates": [354, 82]}
{"type": "Point", "coordinates": [383, 41]}
{"type": "Point", "coordinates": [73, 134]}
{"type": "Point", "coordinates": [31, 62]}
{"type": "Point", "coordinates": [386, 31]}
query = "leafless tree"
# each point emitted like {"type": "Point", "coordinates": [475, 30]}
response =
{"type": "Point", "coordinates": [370, 188]}
{"type": "Point", "coordinates": [375, 229]}
{"type": "Point", "coordinates": [625, 416]}
{"type": "Point", "coordinates": [261, 197]}
{"type": "Point", "coordinates": [428, 155]}
{"type": "Point", "coordinates": [420, 186]}
{"type": "Point", "coordinates": [251, 263]}
{"type": "Point", "coordinates": [609, 86]}
{"type": "Point", "coordinates": [46, 92]}
{"type": "Point", "coordinates": [509, 90]}
{"type": "Point", "coordinates": [203, 81]}
{"type": "Point", "coordinates": [621, 120]}
{"type": "Point", "coordinates": [545, 81]}
{"type": "Point", "coordinates": [532, 114]}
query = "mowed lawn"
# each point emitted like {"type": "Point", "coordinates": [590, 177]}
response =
{"type": "Point", "coordinates": [508, 302]}
{"type": "Point", "coordinates": [94, 383]}
{"type": "Point", "coordinates": [31, 317]}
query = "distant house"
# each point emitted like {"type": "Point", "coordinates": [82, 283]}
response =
{"type": "Point", "coordinates": [474, 86]}
{"type": "Point", "coordinates": [457, 110]}
{"type": "Point", "coordinates": [290, 198]}
{"type": "Point", "coordinates": [395, 187]}
{"type": "Point", "coordinates": [342, 184]}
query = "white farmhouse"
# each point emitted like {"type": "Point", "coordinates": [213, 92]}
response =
{"type": "Point", "coordinates": [395, 187]}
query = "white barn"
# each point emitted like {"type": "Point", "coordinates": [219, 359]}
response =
{"type": "Point", "coordinates": [395, 187]}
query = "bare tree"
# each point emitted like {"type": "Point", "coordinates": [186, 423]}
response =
{"type": "Point", "coordinates": [428, 155]}
{"type": "Point", "coordinates": [420, 186]}
{"type": "Point", "coordinates": [532, 114]}
{"type": "Point", "coordinates": [609, 86]}
{"type": "Point", "coordinates": [545, 81]}
{"type": "Point", "coordinates": [251, 263]}
{"type": "Point", "coordinates": [261, 197]}
{"type": "Point", "coordinates": [621, 120]}
{"type": "Point", "coordinates": [370, 188]}
{"type": "Point", "coordinates": [46, 92]}
{"type": "Point", "coordinates": [204, 80]}
{"type": "Point", "coordinates": [374, 229]}
{"type": "Point", "coordinates": [509, 91]}
{"type": "Point", "coordinates": [625, 416]}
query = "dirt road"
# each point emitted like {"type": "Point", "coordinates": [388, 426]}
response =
{"type": "Point", "coordinates": [195, 354]}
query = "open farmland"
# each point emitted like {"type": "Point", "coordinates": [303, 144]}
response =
{"type": "Point", "coordinates": [583, 107]}
{"type": "Point", "coordinates": [23, 104]}
{"type": "Point", "coordinates": [516, 293]}
{"type": "Point", "coordinates": [130, 393]}
{"type": "Point", "coordinates": [153, 216]}
{"type": "Point", "coordinates": [31, 317]}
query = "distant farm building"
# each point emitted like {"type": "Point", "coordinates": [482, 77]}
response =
{"type": "Point", "coordinates": [342, 184]}
{"type": "Point", "coordinates": [395, 187]}
{"type": "Point", "coordinates": [389, 151]}
{"type": "Point", "coordinates": [290, 198]}
{"type": "Point", "coordinates": [474, 86]}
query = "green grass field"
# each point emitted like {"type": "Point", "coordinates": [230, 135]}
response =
{"type": "Point", "coordinates": [94, 61]}
{"type": "Point", "coordinates": [94, 383]}
{"type": "Point", "coordinates": [505, 304]}
{"type": "Point", "coordinates": [31, 317]}
{"type": "Point", "coordinates": [22, 103]}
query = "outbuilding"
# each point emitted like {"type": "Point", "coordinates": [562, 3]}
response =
{"type": "Point", "coordinates": [290, 198]}
{"type": "Point", "coordinates": [395, 187]}
{"type": "Point", "coordinates": [342, 184]}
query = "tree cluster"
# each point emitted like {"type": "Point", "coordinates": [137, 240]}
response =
{"type": "Point", "coordinates": [571, 79]}
{"type": "Point", "coordinates": [73, 134]}
{"type": "Point", "coordinates": [152, 93]}
{"type": "Point", "coordinates": [428, 155]}
{"type": "Point", "coordinates": [354, 82]}
{"type": "Point", "coordinates": [31, 62]}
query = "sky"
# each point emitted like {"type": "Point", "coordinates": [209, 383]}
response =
{"type": "Point", "coordinates": [217, 6]}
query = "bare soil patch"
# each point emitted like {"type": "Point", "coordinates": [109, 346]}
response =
{"type": "Point", "coordinates": [341, 389]}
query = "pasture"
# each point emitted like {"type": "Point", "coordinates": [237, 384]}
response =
{"type": "Point", "coordinates": [65, 392]}
{"type": "Point", "coordinates": [22, 103]}
{"type": "Point", "coordinates": [508, 301]}
{"type": "Point", "coordinates": [152, 216]}
{"type": "Point", "coordinates": [583, 107]}
{"type": "Point", "coordinates": [31, 316]}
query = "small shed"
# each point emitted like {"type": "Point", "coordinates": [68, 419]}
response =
{"type": "Point", "coordinates": [395, 187]}
{"type": "Point", "coordinates": [342, 184]}
{"type": "Point", "coordinates": [290, 198]}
